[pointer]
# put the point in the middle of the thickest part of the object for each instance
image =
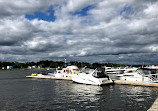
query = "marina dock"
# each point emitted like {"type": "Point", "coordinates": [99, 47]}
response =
{"type": "Point", "coordinates": [154, 107]}
{"type": "Point", "coordinates": [49, 77]}
{"type": "Point", "coordinates": [137, 83]}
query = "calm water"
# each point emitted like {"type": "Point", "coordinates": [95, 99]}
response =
{"type": "Point", "coordinates": [18, 93]}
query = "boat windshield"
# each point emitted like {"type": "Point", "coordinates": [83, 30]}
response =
{"type": "Point", "coordinates": [87, 70]}
{"type": "Point", "coordinates": [100, 74]}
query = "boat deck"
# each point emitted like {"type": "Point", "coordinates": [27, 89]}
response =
{"type": "Point", "coordinates": [138, 83]}
{"type": "Point", "coordinates": [154, 107]}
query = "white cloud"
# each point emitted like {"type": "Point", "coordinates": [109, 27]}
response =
{"type": "Point", "coordinates": [152, 10]}
{"type": "Point", "coordinates": [19, 7]}
{"type": "Point", "coordinates": [103, 34]}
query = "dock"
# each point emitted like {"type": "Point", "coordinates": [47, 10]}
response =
{"type": "Point", "coordinates": [154, 107]}
{"type": "Point", "coordinates": [137, 83]}
{"type": "Point", "coordinates": [49, 77]}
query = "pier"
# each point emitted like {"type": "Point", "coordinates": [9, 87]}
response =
{"type": "Point", "coordinates": [49, 77]}
{"type": "Point", "coordinates": [137, 83]}
{"type": "Point", "coordinates": [154, 107]}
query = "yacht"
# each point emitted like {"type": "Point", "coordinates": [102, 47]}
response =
{"type": "Point", "coordinates": [66, 72]}
{"type": "Point", "coordinates": [91, 76]}
{"type": "Point", "coordinates": [58, 73]}
{"type": "Point", "coordinates": [142, 74]}
{"type": "Point", "coordinates": [119, 70]}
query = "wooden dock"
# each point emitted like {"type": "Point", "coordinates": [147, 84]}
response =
{"type": "Point", "coordinates": [49, 77]}
{"type": "Point", "coordinates": [137, 83]}
{"type": "Point", "coordinates": [154, 107]}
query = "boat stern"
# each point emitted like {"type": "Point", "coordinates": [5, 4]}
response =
{"type": "Point", "coordinates": [103, 81]}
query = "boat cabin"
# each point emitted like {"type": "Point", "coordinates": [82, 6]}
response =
{"type": "Point", "coordinates": [68, 70]}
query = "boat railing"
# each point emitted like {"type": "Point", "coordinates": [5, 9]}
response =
{"type": "Point", "coordinates": [140, 72]}
{"type": "Point", "coordinates": [153, 77]}
{"type": "Point", "coordinates": [83, 68]}
{"type": "Point", "coordinates": [94, 71]}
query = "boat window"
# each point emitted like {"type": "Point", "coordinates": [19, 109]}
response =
{"type": "Point", "coordinates": [153, 71]}
{"type": "Point", "coordinates": [87, 70]}
{"type": "Point", "coordinates": [128, 75]}
{"type": "Point", "coordinates": [75, 69]}
{"type": "Point", "coordinates": [98, 74]}
{"type": "Point", "coordinates": [130, 71]}
{"type": "Point", "coordinates": [59, 72]}
{"type": "Point", "coordinates": [59, 68]}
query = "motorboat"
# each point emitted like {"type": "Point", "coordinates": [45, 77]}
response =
{"type": "Point", "coordinates": [42, 74]}
{"type": "Point", "coordinates": [58, 73]}
{"type": "Point", "coordinates": [66, 72]}
{"type": "Point", "coordinates": [119, 70]}
{"type": "Point", "coordinates": [141, 74]}
{"type": "Point", "coordinates": [112, 70]}
{"type": "Point", "coordinates": [91, 76]}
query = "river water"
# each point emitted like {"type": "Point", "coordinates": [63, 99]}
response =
{"type": "Point", "coordinates": [18, 93]}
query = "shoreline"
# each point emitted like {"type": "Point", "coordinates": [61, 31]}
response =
{"type": "Point", "coordinates": [21, 69]}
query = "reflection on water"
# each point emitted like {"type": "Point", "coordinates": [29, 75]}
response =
{"type": "Point", "coordinates": [25, 94]}
{"type": "Point", "coordinates": [138, 96]}
{"type": "Point", "coordinates": [86, 92]}
{"type": "Point", "coordinates": [86, 89]}
{"type": "Point", "coordinates": [77, 96]}
{"type": "Point", "coordinates": [135, 91]}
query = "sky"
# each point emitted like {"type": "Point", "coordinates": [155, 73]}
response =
{"type": "Point", "coordinates": [115, 31]}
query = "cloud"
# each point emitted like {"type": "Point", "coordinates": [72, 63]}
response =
{"type": "Point", "coordinates": [16, 8]}
{"type": "Point", "coordinates": [12, 32]}
{"type": "Point", "coordinates": [109, 31]}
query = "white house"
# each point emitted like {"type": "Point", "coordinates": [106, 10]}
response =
{"type": "Point", "coordinates": [9, 67]}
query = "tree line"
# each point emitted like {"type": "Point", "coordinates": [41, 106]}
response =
{"type": "Point", "coordinates": [54, 64]}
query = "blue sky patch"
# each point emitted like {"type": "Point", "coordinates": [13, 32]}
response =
{"type": "Point", "coordinates": [126, 9]}
{"type": "Point", "coordinates": [83, 12]}
{"type": "Point", "coordinates": [48, 15]}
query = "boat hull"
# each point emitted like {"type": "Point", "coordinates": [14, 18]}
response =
{"type": "Point", "coordinates": [91, 80]}
{"type": "Point", "coordinates": [137, 78]}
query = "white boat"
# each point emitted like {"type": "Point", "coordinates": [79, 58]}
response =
{"type": "Point", "coordinates": [44, 74]}
{"type": "Point", "coordinates": [119, 70]}
{"type": "Point", "coordinates": [91, 76]}
{"type": "Point", "coordinates": [59, 73]}
{"type": "Point", "coordinates": [65, 72]}
{"type": "Point", "coordinates": [112, 70]}
{"type": "Point", "coordinates": [152, 67]}
{"type": "Point", "coordinates": [142, 74]}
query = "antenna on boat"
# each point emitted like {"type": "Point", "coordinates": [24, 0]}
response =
{"type": "Point", "coordinates": [143, 65]}
{"type": "Point", "coordinates": [65, 64]}
{"type": "Point", "coordinates": [65, 60]}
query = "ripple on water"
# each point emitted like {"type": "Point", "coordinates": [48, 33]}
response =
{"type": "Point", "coordinates": [44, 94]}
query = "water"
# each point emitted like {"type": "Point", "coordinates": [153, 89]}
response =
{"type": "Point", "coordinates": [18, 93]}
